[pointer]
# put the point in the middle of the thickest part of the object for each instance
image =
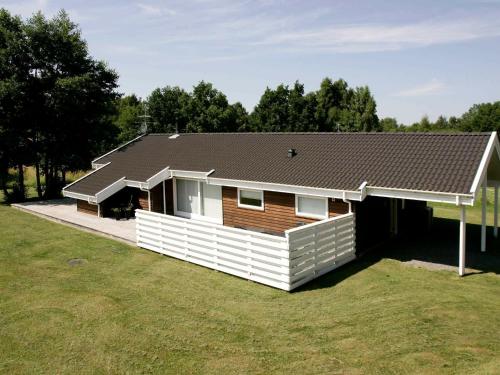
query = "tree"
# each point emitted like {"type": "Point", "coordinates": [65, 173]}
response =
{"type": "Point", "coordinates": [209, 111]}
{"type": "Point", "coordinates": [481, 118]}
{"type": "Point", "coordinates": [364, 110]}
{"type": "Point", "coordinates": [57, 101]}
{"type": "Point", "coordinates": [389, 124]}
{"type": "Point", "coordinates": [168, 108]}
{"type": "Point", "coordinates": [14, 86]}
{"type": "Point", "coordinates": [285, 109]}
{"type": "Point", "coordinates": [271, 113]}
{"type": "Point", "coordinates": [127, 120]}
{"type": "Point", "coordinates": [332, 111]}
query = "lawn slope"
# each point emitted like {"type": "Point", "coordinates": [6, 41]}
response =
{"type": "Point", "coordinates": [121, 309]}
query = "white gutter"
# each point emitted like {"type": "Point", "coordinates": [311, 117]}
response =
{"type": "Point", "coordinates": [420, 195]}
{"type": "Point", "coordinates": [292, 189]}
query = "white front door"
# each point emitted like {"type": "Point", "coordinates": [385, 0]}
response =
{"type": "Point", "coordinates": [198, 200]}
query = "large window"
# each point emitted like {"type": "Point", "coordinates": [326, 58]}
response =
{"type": "Point", "coordinates": [312, 207]}
{"type": "Point", "coordinates": [198, 200]}
{"type": "Point", "coordinates": [253, 199]}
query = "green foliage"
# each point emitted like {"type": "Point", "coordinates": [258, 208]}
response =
{"type": "Point", "coordinates": [127, 119]}
{"type": "Point", "coordinates": [334, 107]}
{"type": "Point", "coordinates": [56, 101]}
{"type": "Point", "coordinates": [206, 109]}
{"type": "Point", "coordinates": [389, 124]}
{"type": "Point", "coordinates": [481, 118]}
{"type": "Point", "coordinates": [168, 108]}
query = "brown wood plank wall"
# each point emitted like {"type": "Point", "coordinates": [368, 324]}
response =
{"type": "Point", "coordinates": [278, 215]}
{"type": "Point", "coordinates": [86, 207]}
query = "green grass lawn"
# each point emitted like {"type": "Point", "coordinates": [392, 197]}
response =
{"type": "Point", "coordinates": [128, 310]}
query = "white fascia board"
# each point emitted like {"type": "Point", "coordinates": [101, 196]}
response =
{"type": "Point", "coordinates": [292, 189]}
{"type": "Point", "coordinates": [110, 190]}
{"type": "Point", "coordinates": [420, 195]}
{"type": "Point", "coordinates": [136, 184]}
{"type": "Point", "coordinates": [83, 197]}
{"type": "Point", "coordinates": [158, 177]}
{"type": "Point", "coordinates": [485, 160]}
{"type": "Point", "coordinates": [116, 149]}
{"type": "Point", "coordinates": [190, 174]}
{"type": "Point", "coordinates": [88, 174]}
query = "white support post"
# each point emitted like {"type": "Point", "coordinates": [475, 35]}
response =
{"type": "Point", "coordinates": [98, 210]}
{"type": "Point", "coordinates": [483, 217]}
{"type": "Point", "coordinates": [495, 214]}
{"type": "Point", "coordinates": [164, 200]}
{"type": "Point", "coordinates": [461, 251]}
{"type": "Point", "coordinates": [149, 200]}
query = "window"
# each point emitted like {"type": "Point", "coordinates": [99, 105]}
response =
{"type": "Point", "coordinates": [198, 200]}
{"type": "Point", "coordinates": [312, 207]}
{"type": "Point", "coordinates": [253, 199]}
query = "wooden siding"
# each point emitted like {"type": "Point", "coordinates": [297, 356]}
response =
{"type": "Point", "coordinates": [85, 207]}
{"type": "Point", "coordinates": [142, 200]}
{"type": "Point", "coordinates": [278, 215]}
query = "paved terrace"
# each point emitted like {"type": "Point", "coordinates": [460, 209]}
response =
{"type": "Point", "coordinates": [64, 211]}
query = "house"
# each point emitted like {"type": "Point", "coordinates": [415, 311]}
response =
{"type": "Point", "coordinates": [284, 208]}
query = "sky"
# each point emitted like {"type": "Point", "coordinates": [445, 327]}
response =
{"type": "Point", "coordinates": [418, 57]}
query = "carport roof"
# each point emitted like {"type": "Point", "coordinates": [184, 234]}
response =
{"type": "Point", "coordinates": [433, 162]}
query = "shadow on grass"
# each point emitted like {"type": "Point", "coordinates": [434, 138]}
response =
{"type": "Point", "coordinates": [437, 249]}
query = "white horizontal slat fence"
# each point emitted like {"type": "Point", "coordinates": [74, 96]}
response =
{"type": "Point", "coordinates": [255, 256]}
{"type": "Point", "coordinates": [320, 247]}
{"type": "Point", "coordinates": [281, 262]}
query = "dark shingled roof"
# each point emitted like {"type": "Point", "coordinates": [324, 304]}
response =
{"type": "Point", "coordinates": [343, 161]}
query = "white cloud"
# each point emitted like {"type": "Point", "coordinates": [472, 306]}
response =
{"type": "Point", "coordinates": [370, 38]}
{"type": "Point", "coordinates": [432, 87]}
{"type": "Point", "coordinates": [157, 11]}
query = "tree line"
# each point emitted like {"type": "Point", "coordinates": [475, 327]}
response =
{"type": "Point", "coordinates": [333, 107]}
{"type": "Point", "coordinates": [60, 108]}
{"type": "Point", "coordinates": [484, 117]}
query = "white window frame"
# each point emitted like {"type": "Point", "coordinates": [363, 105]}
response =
{"type": "Point", "coordinates": [250, 207]}
{"type": "Point", "coordinates": [188, 215]}
{"type": "Point", "coordinates": [310, 216]}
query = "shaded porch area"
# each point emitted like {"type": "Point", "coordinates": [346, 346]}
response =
{"type": "Point", "coordinates": [437, 249]}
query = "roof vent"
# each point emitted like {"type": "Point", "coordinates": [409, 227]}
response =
{"type": "Point", "coordinates": [173, 136]}
{"type": "Point", "coordinates": [292, 152]}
